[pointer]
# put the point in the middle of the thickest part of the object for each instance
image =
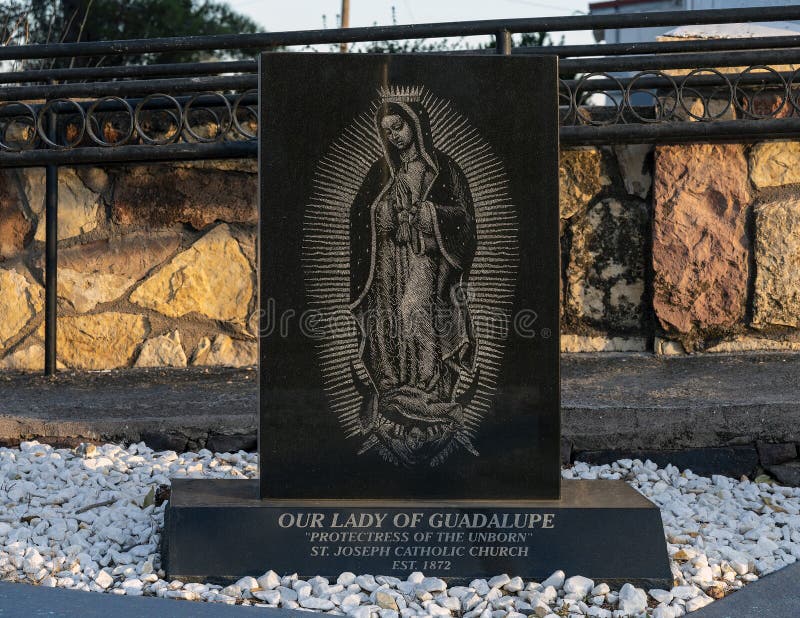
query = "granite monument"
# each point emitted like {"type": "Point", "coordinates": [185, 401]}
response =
{"type": "Point", "coordinates": [409, 337]}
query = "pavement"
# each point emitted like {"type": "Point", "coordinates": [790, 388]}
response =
{"type": "Point", "coordinates": [619, 402]}
{"type": "Point", "coordinates": [643, 401]}
{"type": "Point", "coordinates": [26, 601]}
{"type": "Point", "coordinates": [178, 409]}
{"type": "Point", "coordinates": [775, 596]}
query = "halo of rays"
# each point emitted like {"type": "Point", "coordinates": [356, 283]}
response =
{"type": "Point", "coordinates": [326, 254]}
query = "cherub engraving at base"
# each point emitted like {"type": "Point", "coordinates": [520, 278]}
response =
{"type": "Point", "coordinates": [412, 242]}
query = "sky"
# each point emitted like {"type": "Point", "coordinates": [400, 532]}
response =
{"type": "Point", "coordinates": [274, 15]}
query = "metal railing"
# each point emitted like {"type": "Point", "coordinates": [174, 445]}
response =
{"type": "Point", "coordinates": [693, 90]}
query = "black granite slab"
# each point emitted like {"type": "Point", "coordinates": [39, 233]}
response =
{"type": "Point", "coordinates": [409, 298]}
{"type": "Point", "coordinates": [220, 530]}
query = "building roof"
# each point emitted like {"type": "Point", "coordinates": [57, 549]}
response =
{"type": "Point", "coordinates": [728, 31]}
{"type": "Point", "coordinates": [615, 4]}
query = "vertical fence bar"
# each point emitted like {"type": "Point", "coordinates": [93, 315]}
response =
{"type": "Point", "coordinates": [503, 42]}
{"type": "Point", "coordinates": [50, 256]}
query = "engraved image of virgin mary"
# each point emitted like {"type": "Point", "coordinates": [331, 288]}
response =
{"type": "Point", "coordinates": [412, 243]}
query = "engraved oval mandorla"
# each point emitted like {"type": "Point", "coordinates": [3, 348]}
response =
{"type": "Point", "coordinates": [410, 259]}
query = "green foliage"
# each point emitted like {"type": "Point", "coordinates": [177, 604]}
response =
{"type": "Point", "coordinates": [533, 39]}
{"type": "Point", "coordinates": [48, 21]}
{"type": "Point", "coordinates": [410, 46]}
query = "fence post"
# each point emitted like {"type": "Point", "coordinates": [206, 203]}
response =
{"type": "Point", "coordinates": [503, 42]}
{"type": "Point", "coordinates": [51, 254]}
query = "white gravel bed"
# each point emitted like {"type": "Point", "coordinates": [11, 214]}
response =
{"type": "Point", "coordinates": [87, 519]}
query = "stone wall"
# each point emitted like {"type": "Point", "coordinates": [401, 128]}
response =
{"type": "Point", "coordinates": [157, 266]}
{"type": "Point", "coordinates": [681, 249]}
{"type": "Point", "coordinates": [672, 249]}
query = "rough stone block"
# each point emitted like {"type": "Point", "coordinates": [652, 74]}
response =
{"type": "Point", "coordinates": [231, 443]}
{"type": "Point", "coordinates": [700, 247]}
{"type": "Point", "coordinates": [27, 356]}
{"type": "Point", "coordinates": [130, 255]}
{"type": "Point", "coordinates": [225, 352]}
{"type": "Point", "coordinates": [589, 343]}
{"type": "Point", "coordinates": [164, 441]}
{"type": "Point", "coordinates": [566, 451]}
{"type": "Point", "coordinates": [582, 176]}
{"type": "Point", "coordinates": [694, 109]}
{"type": "Point", "coordinates": [212, 278]}
{"type": "Point", "coordinates": [20, 300]}
{"type": "Point", "coordinates": [95, 178]}
{"type": "Point", "coordinates": [753, 344]}
{"type": "Point", "coordinates": [787, 473]}
{"type": "Point", "coordinates": [777, 286]}
{"type": "Point", "coordinates": [635, 165]}
{"type": "Point", "coordinates": [78, 206]}
{"type": "Point", "coordinates": [162, 351]}
{"type": "Point", "coordinates": [83, 292]}
{"type": "Point", "coordinates": [157, 197]}
{"type": "Point", "coordinates": [100, 341]}
{"type": "Point", "coordinates": [102, 271]}
{"type": "Point", "coordinates": [30, 358]}
{"type": "Point", "coordinates": [773, 164]}
{"type": "Point", "coordinates": [15, 227]}
{"type": "Point", "coordinates": [768, 105]}
{"type": "Point", "coordinates": [772, 454]}
{"type": "Point", "coordinates": [605, 275]}
{"type": "Point", "coordinates": [667, 347]}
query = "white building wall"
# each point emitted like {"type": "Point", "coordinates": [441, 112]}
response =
{"type": "Point", "coordinates": [636, 35]}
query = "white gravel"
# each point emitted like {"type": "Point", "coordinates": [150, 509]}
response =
{"type": "Point", "coordinates": [87, 519]}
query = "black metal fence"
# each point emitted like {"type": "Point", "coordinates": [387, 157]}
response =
{"type": "Point", "coordinates": [656, 92]}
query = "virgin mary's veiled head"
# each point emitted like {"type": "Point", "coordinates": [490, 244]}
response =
{"type": "Point", "coordinates": [397, 131]}
{"type": "Point", "coordinates": [400, 124]}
